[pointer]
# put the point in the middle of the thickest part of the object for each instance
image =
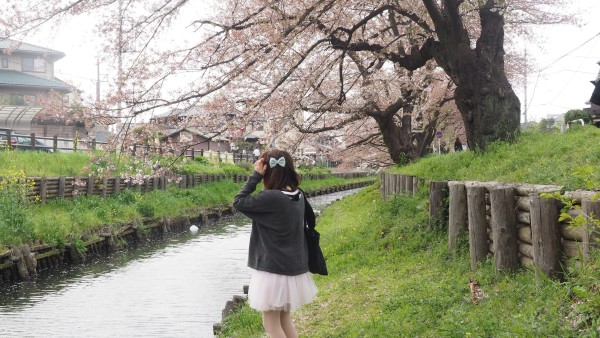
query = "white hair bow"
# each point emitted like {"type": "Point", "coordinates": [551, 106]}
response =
{"type": "Point", "coordinates": [273, 162]}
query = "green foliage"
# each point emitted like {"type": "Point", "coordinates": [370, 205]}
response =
{"type": "Point", "coordinates": [537, 158]}
{"type": "Point", "coordinates": [146, 209]}
{"type": "Point", "coordinates": [576, 114]}
{"type": "Point", "coordinates": [15, 224]}
{"type": "Point", "coordinates": [243, 323]}
{"type": "Point", "coordinates": [306, 170]}
{"type": "Point", "coordinates": [201, 160]}
{"type": "Point", "coordinates": [547, 125]}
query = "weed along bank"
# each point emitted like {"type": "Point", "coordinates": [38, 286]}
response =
{"type": "Point", "coordinates": [22, 262]}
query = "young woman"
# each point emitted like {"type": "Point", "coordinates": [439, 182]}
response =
{"type": "Point", "coordinates": [278, 256]}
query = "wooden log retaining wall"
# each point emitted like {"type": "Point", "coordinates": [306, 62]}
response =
{"type": "Point", "coordinates": [30, 259]}
{"type": "Point", "coordinates": [510, 222]}
{"type": "Point", "coordinates": [44, 188]}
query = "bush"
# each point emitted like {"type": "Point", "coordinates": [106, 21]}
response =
{"type": "Point", "coordinates": [576, 114]}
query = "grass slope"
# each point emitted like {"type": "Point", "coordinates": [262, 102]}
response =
{"type": "Point", "coordinates": [538, 158]}
{"type": "Point", "coordinates": [390, 277]}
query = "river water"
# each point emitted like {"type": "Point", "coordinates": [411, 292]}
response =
{"type": "Point", "coordinates": [172, 288]}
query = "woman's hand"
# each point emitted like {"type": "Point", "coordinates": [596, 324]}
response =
{"type": "Point", "coordinates": [260, 166]}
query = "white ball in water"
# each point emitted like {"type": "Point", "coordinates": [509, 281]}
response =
{"type": "Point", "coordinates": [193, 228]}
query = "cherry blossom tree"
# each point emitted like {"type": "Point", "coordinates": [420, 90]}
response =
{"type": "Point", "coordinates": [363, 71]}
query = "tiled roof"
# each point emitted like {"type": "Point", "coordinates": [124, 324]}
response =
{"type": "Point", "coordinates": [11, 78]}
{"type": "Point", "coordinates": [18, 46]}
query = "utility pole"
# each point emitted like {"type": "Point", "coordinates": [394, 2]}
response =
{"type": "Point", "coordinates": [98, 80]}
{"type": "Point", "coordinates": [525, 89]}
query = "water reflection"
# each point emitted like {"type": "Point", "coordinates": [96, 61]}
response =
{"type": "Point", "coordinates": [173, 288]}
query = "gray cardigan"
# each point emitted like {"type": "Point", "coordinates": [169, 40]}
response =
{"type": "Point", "coordinates": [277, 242]}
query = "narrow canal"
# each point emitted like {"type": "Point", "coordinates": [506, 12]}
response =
{"type": "Point", "coordinates": [173, 288]}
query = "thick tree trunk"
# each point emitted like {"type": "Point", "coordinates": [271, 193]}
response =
{"type": "Point", "coordinates": [403, 145]}
{"type": "Point", "coordinates": [489, 107]}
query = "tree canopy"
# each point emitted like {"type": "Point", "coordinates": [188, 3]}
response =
{"type": "Point", "coordinates": [377, 74]}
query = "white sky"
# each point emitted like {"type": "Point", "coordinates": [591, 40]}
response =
{"type": "Point", "coordinates": [566, 62]}
{"type": "Point", "coordinates": [566, 65]}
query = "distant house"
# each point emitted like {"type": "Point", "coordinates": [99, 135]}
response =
{"type": "Point", "coordinates": [198, 140]}
{"type": "Point", "coordinates": [28, 88]}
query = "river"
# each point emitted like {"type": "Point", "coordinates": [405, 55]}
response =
{"type": "Point", "coordinates": [172, 288]}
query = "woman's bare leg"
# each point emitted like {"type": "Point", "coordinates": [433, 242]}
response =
{"type": "Point", "coordinates": [272, 324]}
{"type": "Point", "coordinates": [287, 325]}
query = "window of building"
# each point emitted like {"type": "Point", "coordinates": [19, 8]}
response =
{"type": "Point", "coordinates": [4, 63]}
{"type": "Point", "coordinates": [34, 65]}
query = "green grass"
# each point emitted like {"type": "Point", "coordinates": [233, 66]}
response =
{"type": "Point", "coordinates": [390, 277]}
{"type": "Point", "coordinates": [60, 220]}
{"type": "Point", "coordinates": [35, 164]}
{"type": "Point", "coordinates": [42, 164]}
{"type": "Point", "coordinates": [537, 158]}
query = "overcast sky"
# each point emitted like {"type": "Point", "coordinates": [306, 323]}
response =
{"type": "Point", "coordinates": [567, 62]}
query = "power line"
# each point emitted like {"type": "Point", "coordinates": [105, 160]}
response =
{"type": "Point", "coordinates": [555, 61]}
{"type": "Point", "coordinates": [567, 54]}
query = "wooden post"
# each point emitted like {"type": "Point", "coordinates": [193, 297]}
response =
{"type": "Point", "coordinates": [415, 186]}
{"type": "Point", "coordinates": [55, 143]}
{"type": "Point", "coordinates": [545, 234]}
{"type": "Point", "coordinates": [478, 238]}
{"type": "Point", "coordinates": [94, 143]}
{"type": "Point", "coordinates": [504, 229]}
{"type": "Point", "coordinates": [61, 186]}
{"type": "Point", "coordinates": [146, 184]}
{"type": "Point", "coordinates": [117, 182]}
{"type": "Point", "coordinates": [408, 184]}
{"type": "Point", "coordinates": [32, 141]}
{"type": "Point", "coordinates": [591, 211]}
{"type": "Point", "coordinates": [104, 186]}
{"type": "Point", "coordinates": [401, 184]}
{"type": "Point", "coordinates": [438, 192]}
{"type": "Point", "coordinates": [458, 222]}
{"type": "Point", "coordinates": [43, 189]}
{"type": "Point", "coordinates": [90, 185]}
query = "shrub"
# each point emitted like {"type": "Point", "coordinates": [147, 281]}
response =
{"type": "Point", "coordinates": [576, 114]}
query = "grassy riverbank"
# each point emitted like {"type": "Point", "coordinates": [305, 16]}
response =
{"type": "Point", "coordinates": [64, 220]}
{"type": "Point", "coordinates": [571, 159]}
{"type": "Point", "coordinates": [391, 277]}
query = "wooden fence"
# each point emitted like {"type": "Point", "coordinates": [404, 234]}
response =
{"type": "Point", "coordinates": [510, 222]}
{"type": "Point", "coordinates": [44, 188]}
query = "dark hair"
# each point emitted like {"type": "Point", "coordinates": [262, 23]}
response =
{"type": "Point", "coordinates": [280, 177]}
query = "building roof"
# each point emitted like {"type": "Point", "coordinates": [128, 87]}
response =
{"type": "Point", "coordinates": [12, 78]}
{"type": "Point", "coordinates": [196, 131]}
{"type": "Point", "coordinates": [17, 117]}
{"type": "Point", "coordinates": [9, 45]}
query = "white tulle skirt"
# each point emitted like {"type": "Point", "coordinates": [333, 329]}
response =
{"type": "Point", "coordinates": [273, 292]}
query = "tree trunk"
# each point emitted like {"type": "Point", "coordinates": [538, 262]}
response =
{"type": "Point", "coordinates": [487, 103]}
{"type": "Point", "coordinates": [403, 145]}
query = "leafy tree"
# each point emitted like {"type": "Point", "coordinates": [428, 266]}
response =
{"type": "Point", "coordinates": [546, 124]}
{"type": "Point", "coordinates": [576, 114]}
